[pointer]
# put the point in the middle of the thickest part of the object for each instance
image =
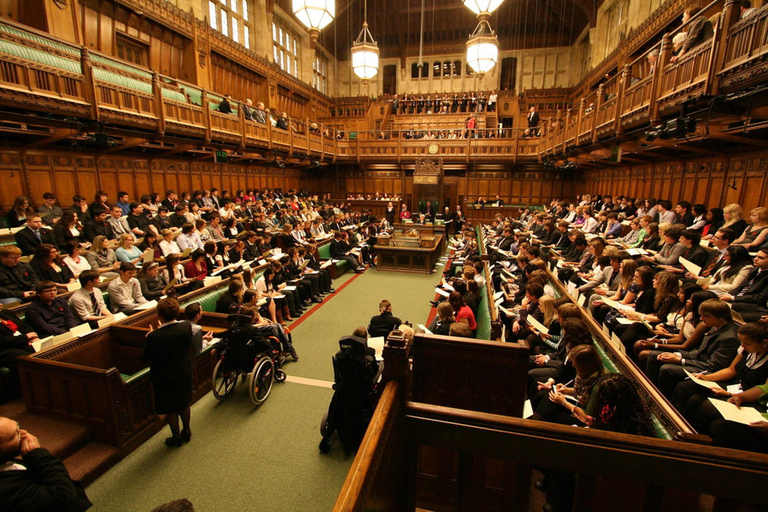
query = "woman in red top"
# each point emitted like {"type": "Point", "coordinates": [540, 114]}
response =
{"type": "Point", "coordinates": [196, 267]}
{"type": "Point", "coordinates": [404, 213]}
{"type": "Point", "coordinates": [462, 311]}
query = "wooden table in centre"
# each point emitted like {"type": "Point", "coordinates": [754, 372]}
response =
{"type": "Point", "coordinates": [400, 258]}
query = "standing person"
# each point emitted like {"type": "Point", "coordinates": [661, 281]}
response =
{"type": "Point", "coordinates": [533, 119]}
{"type": "Point", "coordinates": [170, 369]}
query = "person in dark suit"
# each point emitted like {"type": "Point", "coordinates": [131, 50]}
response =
{"type": "Point", "coordinates": [383, 323]}
{"type": "Point", "coordinates": [533, 118]}
{"type": "Point", "coordinates": [716, 351]}
{"type": "Point", "coordinates": [750, 298]}
{"type": "Point", "coordinates": [34, 479]}
{"type": "Point", "coordinates": [17, 279]}
{"type": "Point", "coordinates": [169, 352]}
{"type": "Point", "coordinates": [429, 211]}
{"type": "Point", "coordinates": [33, 234]}
{"type": "Point", "coordinates": [98, 225]}
{"type": "Point", "coordinates": [15, 338]}
{"type": "Point", "coordinates": [339, 252]}
{"type": "Point", "coordinates": [49, 315]}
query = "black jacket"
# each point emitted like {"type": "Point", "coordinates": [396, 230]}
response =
{"type": "Point", "coordinates": [45, 486]}
{"type": "Point", "coordinates": [50, 320]}
{"type": "Point", "coordinates": [168, 351]}
{"type": "Point", "coordinates": [16, 280]}
{"type": "Point", "coordinates": [28, 242]}
{"type": "Point", "coordinates": [383, 324]}
{"type": "Point", "coordinates": [92, 229]}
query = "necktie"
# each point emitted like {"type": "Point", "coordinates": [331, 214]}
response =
{"type": "Point", "coordinates": [749, 284]}
{"type": "Point", "coordinates": [712, 265]}
{"type": "Point", "coordinates": [37, 234]}
{"type": "Point", "coordinates": [94, 304]}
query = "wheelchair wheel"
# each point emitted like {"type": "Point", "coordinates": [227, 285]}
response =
{"type": "Point", "coordinates": [280, 375]}
{"type": "Point", "coordinates": [325, 426]}
{"type": "Point", "coordinates": [223, 382]}
{"type": "Point", "coordinates": [260, 383]}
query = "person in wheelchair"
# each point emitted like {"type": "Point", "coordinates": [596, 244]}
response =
{"type": "Point", "coordinates": [267, 327]}
{"type": "Point", "coordinates": [244, 340]}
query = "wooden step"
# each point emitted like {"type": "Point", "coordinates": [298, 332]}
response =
{"type": "Point", "coordinates": [91, 461]}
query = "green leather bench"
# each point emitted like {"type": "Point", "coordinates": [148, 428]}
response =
{"type": "Point", "coordinates": [39, 40]}
{"type": "Point", "coordinates": [44, 58]}
{"type": "Point", "coordinates": [122, 81]}
{"type": "Point", "coordinates": [170, 94]}
{"type": "Point", "coordinates": [337, 268]}
{"type": "Point", "coordinates": [121, 66]}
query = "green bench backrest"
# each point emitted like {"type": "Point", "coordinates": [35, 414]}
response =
{"type": "Point", "coordinates": [40, 40]}
{"type": "Point", "coordinates": [123, 81]}
{"type": "Point", "coordinates": [45, 58]}
{"type": "Point", "coordinates": [122, 66]}
{"type": "Point", "coordinates": [174, 95]}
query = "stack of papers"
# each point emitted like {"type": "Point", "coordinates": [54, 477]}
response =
{"type": "Point", "coordinates": [744, 415]}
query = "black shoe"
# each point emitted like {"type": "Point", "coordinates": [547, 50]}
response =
{"type": "Point", "coordinates": [173, 441]}
{"type": "Point", "coordinates": [294, 355]}
{"type": "Point", "coordinates": [307, 303]}
{"type": "Point", "coordinates": [317, 299]}
{"type": "Point", "coordinates": [434, 303]}
{"type": "Point", "coordinates": [332, 290]}
{"type": "Point", "coordinates": [186, 435]}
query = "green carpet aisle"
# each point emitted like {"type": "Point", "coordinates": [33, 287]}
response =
{"type": "Point", "coordinates": [265, 459]}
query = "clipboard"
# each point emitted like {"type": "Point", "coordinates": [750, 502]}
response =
{"type": "Point", "coordinates": [169, 286]}
{"type": "Point", "coordinates": [148, 256]}
{"type": "Point", "coordinates": [536, 324]}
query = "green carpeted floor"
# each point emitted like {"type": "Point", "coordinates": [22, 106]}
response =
{"type": "Point", "coordinates": [242, 458]}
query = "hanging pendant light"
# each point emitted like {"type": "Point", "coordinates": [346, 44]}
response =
{"type": "Point", "coordinates": [482, 48]}
{"type": "Point", "coordinates": [315, 15]}
{"type": "Point", "coordinates": [482, 6]}
{"type": "Point", "coordinates": [365, 52]}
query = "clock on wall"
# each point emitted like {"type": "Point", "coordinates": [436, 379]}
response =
{"type": "Point", "coordinates": [433, 149]}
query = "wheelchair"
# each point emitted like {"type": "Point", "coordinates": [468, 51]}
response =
{"type": "Point", "coordinates": [241, 358]}
{"type": "Point", "coordinates": [356, 394]}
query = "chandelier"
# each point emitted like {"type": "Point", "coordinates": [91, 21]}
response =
{"type": "Point", "coordinates": [482, 6]}
{"type": "Point", "coordinates": [483, 45]}
{"type": "Point", "coordinates": [365, 52]}
{"type": "Point", "coordinates": [315, 15]}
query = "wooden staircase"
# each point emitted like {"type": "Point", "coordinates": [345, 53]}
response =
{"type": "Point", "coordinates": [71, 442]}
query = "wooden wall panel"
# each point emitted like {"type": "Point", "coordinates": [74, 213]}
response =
{"type": "Point", "coordinates": [712, 182]}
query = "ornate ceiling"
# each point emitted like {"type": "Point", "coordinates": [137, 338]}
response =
{"type": "Point", "coordinates": [395, 24]}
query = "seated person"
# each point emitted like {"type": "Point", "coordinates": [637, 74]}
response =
{"type": "Point", "coordinates": [87, 303]}
{"type": "Point", "coordinates": [48, 266]}
{"type": "Point", "coordinates": [103, 259]}
{"type": "Point", "coordinates": [152, 286]}
{"type": "Point", "coordinates": [15, 338]}
{"type": "Point", "coordinates": [340, 251]}
{"type": "Point", "coordinates": [750, 298]}
{"type": "Point", "coordinates": [32, 235]}
{"type": "Point", "coordinates": [232, 298]}
{"type": "Point", "coordinates": [716, 351]}
{"type": "Point", "coordinates": [193, 313]}
{"type": "Point", "coordinates": [383, 323]}
{"type": "Point", "coordinates": [125, 291]}
{"type": "Point", "coordinates": [49, 315]}
{"type": "Point", "coordinates": [38, 480]}
{"type": "Point", "coordinates": [444, 319]}
{"type": "Point", "coordinates": [460, 330]}
{"type": "Point", "coordinates": [17, 279]}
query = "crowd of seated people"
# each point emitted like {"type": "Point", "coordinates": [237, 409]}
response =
{"type": "Point", "coordinates": [146, 252]}
{"type": "Point", "coordinates": [259, 113]}
{"type": "Point", "coordinates": [681, 288]}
